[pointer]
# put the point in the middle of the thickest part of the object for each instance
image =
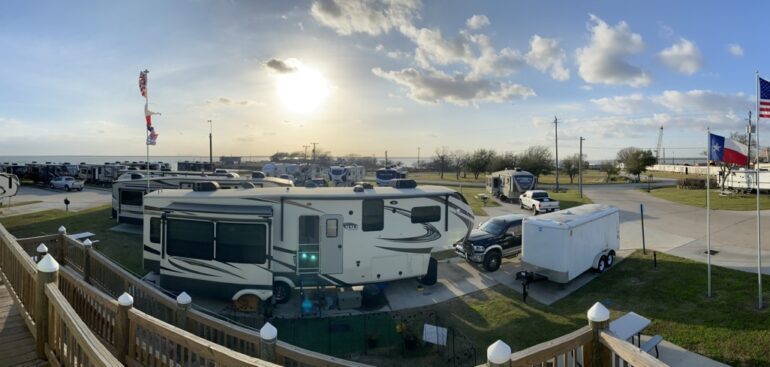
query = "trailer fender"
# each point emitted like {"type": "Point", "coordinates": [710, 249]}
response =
{"type": "Point", "coordinates": [285, 280]}
{"type": "Point", "coordinates": [598, 257]}
{"type": "Point", "coordinates": [262, 294]}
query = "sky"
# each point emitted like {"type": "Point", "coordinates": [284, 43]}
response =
{"type": "Point", "coordinates": [364, 77]}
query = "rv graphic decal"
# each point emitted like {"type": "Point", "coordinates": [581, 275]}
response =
{"type": "Point", "coordinates": [350, 226]}
{"type": "Point", "coordinates": [431, 233]}
{"type": "Point", "coordinates": [208, 266]}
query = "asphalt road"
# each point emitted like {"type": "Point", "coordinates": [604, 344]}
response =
{"type": "Point", "coordinates": [54, 199]}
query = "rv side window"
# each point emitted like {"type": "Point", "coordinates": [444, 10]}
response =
{"type": "Point", "coordinates": [185, 185]}
{"type": "Point", "coordinates": [331, 228]}
{"type": "Point", "coordinates": [308, 229]}
{"type": "Point", "coordinates": [128, 197]}
{"type": "Point", "coordinates": [155, 230]}
{"type": "Point", "coordinates": [242, 243]}
{"type": "Point", "coordinates": [373, 215]}
{"type": "Point", "coordinates": [425, 214]}
{"type": "Point", "coordinates": [187, 238]}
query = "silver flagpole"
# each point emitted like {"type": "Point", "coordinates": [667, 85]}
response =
{"type": "Point", "coordinates": [708, 209]}
{"type": "Point", "coordinates": [759, 237]}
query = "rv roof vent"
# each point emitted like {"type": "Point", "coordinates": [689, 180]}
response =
{"type": "Point", "coordinates": [358, 188]}
{"type": "Point", "coordinates": [206, 186]}
{"type": "Point", "coordinates": [402, 183]}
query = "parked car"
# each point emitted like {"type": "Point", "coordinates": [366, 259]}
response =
{"type": "Point", "coordinates": [492, 240]}
{"type": "Point", "coordinates": [538, 201]}
{"type": "Point", "coordinates": [67, 183]}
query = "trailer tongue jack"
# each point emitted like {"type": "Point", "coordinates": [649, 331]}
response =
{"type": "Point", "coordinates": [526, 278]}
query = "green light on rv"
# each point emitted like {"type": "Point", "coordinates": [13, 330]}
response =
{"type": "Point", "coordinates": [304, 256]}
{"type": "Point", "coordinates": [312, 257]}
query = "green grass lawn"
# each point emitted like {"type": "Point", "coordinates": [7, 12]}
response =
{"type": "Point", "coordinates": [673, 175]}
{"type": "Point", "coordinates": [569, 198]}
{"type": "Point", "coordinates": [698, 198]}
{"type": "Point", "coordinates": [124, 248]}
{"type": "Point", "coordinates": [476, 204]}
{"type": "Point", "coordinates": [725, 327]}
{"type": "Point", "coordinates": [590, 177]}
{"type": "Point", "coordinates": [448, 176]}
{"type": "Point", "coordinates": [20, 203]}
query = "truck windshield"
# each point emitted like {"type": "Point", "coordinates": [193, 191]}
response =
{"type": "Point", "coordinates": [493, 226]}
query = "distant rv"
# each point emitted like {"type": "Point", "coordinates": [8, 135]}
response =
{"type": "Point", "coordinates": [245, 242]}
{"type": "Point", "coordinates": [9, 185]}
{"type": "Point", "coordinates": [346, 175]}
{"type": "Point", "coordinates": [383, 176]}
{"type": "Point", "coordinates": [129, 190]}
{"type": "Point", "coordinates": [509, 184]}
{"type": "Point", "coordinates": [101, 173]}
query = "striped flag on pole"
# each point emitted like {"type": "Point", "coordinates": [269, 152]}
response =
{"type": "Point", "coordinates": [764, 98]}
{"type": "Point", "coordinates": [143, 83]}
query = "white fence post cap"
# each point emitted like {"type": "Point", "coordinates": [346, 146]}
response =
{"type": "Point", "coordinates": [598, 313]}
{"type": "Point", "coordinates": [268, 332]}
{"type": "Point", "coordinates": [499, 352]}
{"type": "Point", "coordinates": [87, 243]}
{"type": "Point", "coordinates": [125, 299]}
{"type": "Point", "coordinates": [42, 248]}
{"type": "Point", "coordinates": [183, 298]}
{"type": "Point", "coordinates": [48, 264]}
{"type": "Point", "coordinates": [62, 230]}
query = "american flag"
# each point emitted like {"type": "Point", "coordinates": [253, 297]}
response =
{"type": "Point", "coordinates": [143, 83]}
{"type": "Point", "coordinates": [764, 98]}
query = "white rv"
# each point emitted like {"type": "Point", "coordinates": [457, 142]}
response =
{"type": "Point", "coordinates": [9, 185]}
{"type": "Point", "coordinates": [272, 169]}
{"type": "Point", "coordinates": [383, 176]}
{"type": "Point", "coordinates": [129, 189]}
{"type": "Point", "coordinates": [247, 242]}
{"type": "Point", "coordinates": [564, 244]}
{"type": "Point", "coordinates": [510, 184]}
{"type": "Point", "coordinates": [346, 175]}
{"type": "Point", "coordinates": [746, 180]}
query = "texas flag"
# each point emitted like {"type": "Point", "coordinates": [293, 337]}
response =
{"type": "Point", "coordinates": [727, 150]}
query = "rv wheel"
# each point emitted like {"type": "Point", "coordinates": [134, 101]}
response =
{"type": "Point", "coordinates": [602, 266]}
{"type": "Point", "coordinates": [492, 261]}
{"type": "Point", "coordinates": [610, 258]}
{"type": "Point", "coordinates": [281, 292]}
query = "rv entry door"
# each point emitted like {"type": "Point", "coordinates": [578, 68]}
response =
{"type": "Point", "coordinates": [331, 244]}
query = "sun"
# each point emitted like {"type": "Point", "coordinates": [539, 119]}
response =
{"type": "Point", "coordinates": [303, 90]}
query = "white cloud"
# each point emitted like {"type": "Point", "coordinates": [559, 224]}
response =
{"type": "Point", "coordinates": [735, 49]}
{"type": "Point", "coordinates": [394, 109]}
{"type": "Point", "coordinates": [683, 57]}
{"type": "Point", "coordinates": [436, 87]}
{"type": "Point", "coordinates": [603, 59]}
{"type": "Point", "coordinates": [703, 101]}
{"type": "Point", "coordinates": [545, 54]}
{"type": "Point", "coordinates": [229, 102]}
{"type": "Point", "coordinates": [286, 66]}
{"type": "Point", "coordinates": [621, 105]}
{"type": "Point", "coordinates": [477, 21]}
{"type": "Point", "coordinates": [432, 47]}
{"type": "Point", "coordinates": [360, 16]}
{"type": "Point", "coordinates": [393, 54]}
{"type": "Point", "coordinates": [490, 62]}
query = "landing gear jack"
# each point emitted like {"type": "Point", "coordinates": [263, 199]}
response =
{"type": "Point", "coordinates": [526, 278]}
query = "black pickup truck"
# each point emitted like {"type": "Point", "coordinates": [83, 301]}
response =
{"type": "Point", "coordinates": [493, 239]}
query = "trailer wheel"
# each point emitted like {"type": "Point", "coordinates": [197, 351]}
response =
{"type": "Point", "coordinates": [281, 292]}
{"type": "Point", "coordinates": [492, 260]}
{"type": "Point", "coordinates": [610, 258]}
{"type": "Point", "coordinates": [602, 266]}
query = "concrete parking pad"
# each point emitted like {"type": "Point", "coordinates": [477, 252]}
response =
{"type": "Point", "coordinates": [54, 199]}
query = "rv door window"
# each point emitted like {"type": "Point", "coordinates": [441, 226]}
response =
{"type": "Point", "coordinates": [130, 197]}
{"type": "Point", "coordinates": [155, 230]}
{"type": "Point", "coordinates": [242, 243]}
{"type": "Point", "coordinates": [373, 215]}
{"type": "Point", "coordinates": [331, 228]}
{"type": "Point", "coordinates": [308, 229]}
{"type": "Point", "coordinates": [425, 214]}
{"type": "Point", "coordinates": [188, 238]}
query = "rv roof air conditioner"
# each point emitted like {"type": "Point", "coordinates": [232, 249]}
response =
{"type": "Point", "coordinates": [403, 183]}
{"type": "Point", "coordinates": [206, 186]}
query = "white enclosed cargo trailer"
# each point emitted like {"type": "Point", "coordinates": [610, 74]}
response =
{"type": "Point", "coordinates": [563, 245]}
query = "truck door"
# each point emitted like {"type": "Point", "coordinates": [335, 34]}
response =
{"type": "Point", "coordinates": [331, 244]}
{"type": "Point", "coordinates": [512, 239]}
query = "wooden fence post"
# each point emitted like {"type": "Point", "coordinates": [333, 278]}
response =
{"type": "Point", "coordinates": [62, 244]}
{"type": "Point", "coordinates": [122, 326]}
{"type": "Point", "coordinates": [183, 301]}
{"type": "Point", "coordinates": [47, 272]}
{"type": "Point", "coordinates": [87, 247]}
{"type": "Point", "coordinates": [42, 250]}
{"type": "Point", "coordinates": [599, 320]}
{"type": "Point", "coordinates": [498, 354]}
{"type": "Point", "coordinates": [269, 335]}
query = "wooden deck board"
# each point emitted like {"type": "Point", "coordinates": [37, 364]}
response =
{"type": "Point", "coordinates": [17, 347]}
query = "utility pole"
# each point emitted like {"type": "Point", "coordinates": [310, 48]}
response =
{"type": "Point", "coordinates": [749, 131]}
{"type": "Point", "coordinates": [211, 149]}
{"type": "Point", "coordinates": [580, 168]}
{"type": "Point", "coordinates": [386, 158]}
{"type": "Point", "coordinates": [304, 157]}
{"type": "Point", "coordinates": [314, 153]}
{"type": "Point", "coordinates": [556, 135]}
{"type": "Point", "coordinates": [418, 157]}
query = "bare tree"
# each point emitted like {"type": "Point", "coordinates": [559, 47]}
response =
{"type": "Point", "coordinates": [610, 169]}
{"type": "Point", "coordinates": [459, 159]}
{"type": "Point", "coordinates": [441, 160]}
{"type": "Point", "coordinates": [479, 161]}
{"type": "Point", "coordinates": [537, 160]}
{"type": "Point", "coordinates": [571, 165]}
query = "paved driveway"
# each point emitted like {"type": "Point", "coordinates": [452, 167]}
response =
{"type": "Point", "coordinates": [54, 199]}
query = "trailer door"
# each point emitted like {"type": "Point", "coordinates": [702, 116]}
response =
{"type": "Point", "coordinates": [331, 244]}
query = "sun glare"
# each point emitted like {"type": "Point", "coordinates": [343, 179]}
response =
{"type": "Point", "coordinates": [302, 91]}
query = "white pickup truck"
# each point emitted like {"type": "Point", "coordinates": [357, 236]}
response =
{"type": "Point", "coordinates": [538, 201]}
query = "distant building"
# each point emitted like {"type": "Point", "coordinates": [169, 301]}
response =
{"type": "Point", "coordinates": [230, 161]}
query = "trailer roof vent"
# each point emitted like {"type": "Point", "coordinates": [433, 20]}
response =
{"type": "Point", "coordinates": [206, 186]}
{"type": "Point", "coordinates": [403, 183]}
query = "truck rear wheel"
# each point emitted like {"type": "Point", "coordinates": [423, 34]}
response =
{"type": "Point", "coordinates": [534, 210]}
{"type": "Point", "coordinates": [492, 260]}
{"type": "Point", "coordinates": [281, 292]}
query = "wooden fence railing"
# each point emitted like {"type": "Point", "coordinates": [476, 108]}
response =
{"type": "Point", "coordinates": [92, 282]}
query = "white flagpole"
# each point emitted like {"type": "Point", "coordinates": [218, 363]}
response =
{"type": "Point", "coordinates": [759, 237]}
{"type": "Point", "coordinates": [708, 209]}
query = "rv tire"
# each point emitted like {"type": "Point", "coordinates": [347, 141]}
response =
{"type": "Point", "coordinates": [281, 292]}
{"type": "Point", "coordinates": [492, 260]}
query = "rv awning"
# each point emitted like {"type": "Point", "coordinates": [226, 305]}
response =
{"type": "Point", "coordinates": [261, 210]}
